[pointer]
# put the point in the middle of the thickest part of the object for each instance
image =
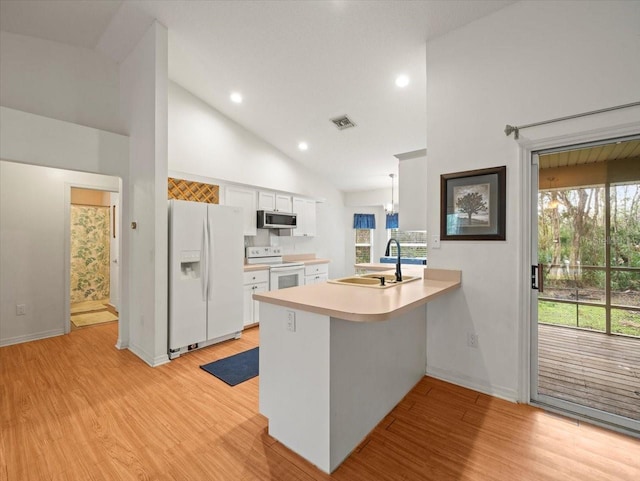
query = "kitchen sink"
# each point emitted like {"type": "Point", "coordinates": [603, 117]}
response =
{"type": "Point", "coordinates": [373, 280]}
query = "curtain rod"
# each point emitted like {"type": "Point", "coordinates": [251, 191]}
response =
{"type": "Point", "coordinates": [509, 129]}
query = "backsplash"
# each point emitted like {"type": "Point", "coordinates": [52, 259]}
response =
{"type": "Point", "coordinates": [290, 245]}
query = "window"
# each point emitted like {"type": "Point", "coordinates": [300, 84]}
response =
{"type": "Point", "coordinates": [364, 245]}
{"type": "Point", "coordinates": [413, 244]}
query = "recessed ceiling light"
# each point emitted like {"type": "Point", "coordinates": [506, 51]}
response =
{"type": "Point", "coordinates": [236, 97]}
{"type": "Point", "coordinates": [402, 81]}
{"type": "Point", "coordinates": [303, 146]}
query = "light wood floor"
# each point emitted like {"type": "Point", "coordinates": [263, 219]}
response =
{"type": "Point", "coordinates": [590, 368]}
{"type": "Point", "coordinates": [74, 408]}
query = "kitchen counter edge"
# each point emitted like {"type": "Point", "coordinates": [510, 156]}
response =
{"type": "Point", "coordinates": [362, 304]}
{"type": "Point", "coordinates": [255, 267]}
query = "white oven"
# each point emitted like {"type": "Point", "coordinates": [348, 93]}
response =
{"type": "Point", "coordinates": [285, 275]}
{"type": "Point", "coordinates": [281, 274]}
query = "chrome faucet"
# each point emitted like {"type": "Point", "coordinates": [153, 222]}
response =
{"type": "Point", "coordinates": [386, 253]}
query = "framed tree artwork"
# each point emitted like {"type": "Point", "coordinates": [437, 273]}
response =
{"type": "Point", "coordinates": [472, 205]}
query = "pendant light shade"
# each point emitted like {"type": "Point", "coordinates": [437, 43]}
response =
{"type": "Point", "coordinates": [392, 217]}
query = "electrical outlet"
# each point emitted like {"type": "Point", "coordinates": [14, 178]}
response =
{"type": "Point", "coordinates": [435, 242]}
{"type": "Point", "coordinates": [291, 321]}
{"type": "Point", "coordinates": [472, 339]}
{"type": "Point", "coordinates": [21, 309]}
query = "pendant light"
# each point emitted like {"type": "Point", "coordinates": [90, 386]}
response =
{"type": "Point", "coordinates": [392, 218]}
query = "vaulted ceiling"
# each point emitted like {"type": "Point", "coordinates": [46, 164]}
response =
{"type": "Point", "coordinates": [298, 64]}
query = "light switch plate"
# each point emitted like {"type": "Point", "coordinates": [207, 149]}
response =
{"type": "Point", "coordinates": [435, 242]}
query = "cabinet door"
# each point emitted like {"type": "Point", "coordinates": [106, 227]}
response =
{"type": "Point", "coordinates": [283, 203]}
{"type": "Point", "coordinates": [306, 210]}
{"type": "Point", "coordinates": [246, 199]}
{"type": "Point", "coordinates": [310, 217]}
{"type": "Point", "coordinates": [248, 304]}
{"type": "Point", "coordinates": [266, 201]}
{"type": "Point", "coordinates": [315, 269]}
{"type": "Point", "coordinates": [262, 287]}
{"type": "Point", "coordinates": [299, 209]}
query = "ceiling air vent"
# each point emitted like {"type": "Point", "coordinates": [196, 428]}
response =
{"type": "Point", "coordinates": [343, 122]}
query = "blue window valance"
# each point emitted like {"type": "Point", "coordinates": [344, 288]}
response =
{"type": "Point", "coordinates": [364, 221]}
{"type": "Point", "coordinates": [392, 221]}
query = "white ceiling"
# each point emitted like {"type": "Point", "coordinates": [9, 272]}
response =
{"type": "Point", "coordinates": [297, 64]}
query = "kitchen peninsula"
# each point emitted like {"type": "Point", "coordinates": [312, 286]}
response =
{"type": "Point", "coordinates": [335, 359]}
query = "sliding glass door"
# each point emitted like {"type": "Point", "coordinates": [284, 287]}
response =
{"type": "Point", "coordinates": [586, 341]}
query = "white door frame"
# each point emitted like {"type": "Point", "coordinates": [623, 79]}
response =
{"type": "Point", "coordinates": [527, 147]}
{"type": "Point", "coordinates": [67, 246]}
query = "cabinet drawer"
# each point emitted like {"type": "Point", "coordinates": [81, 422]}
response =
{"type": "Point", "coordinates": [316, 269]}
{"type": "Point", "coordinates": [253, 277]}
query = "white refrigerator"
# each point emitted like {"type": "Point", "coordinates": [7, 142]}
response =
{"type": "Point", "coordinates": [206, 256]}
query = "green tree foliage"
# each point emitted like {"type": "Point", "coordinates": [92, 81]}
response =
{"type": "Point", "coordinates": [572, 236]}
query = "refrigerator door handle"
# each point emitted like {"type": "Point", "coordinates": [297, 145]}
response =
{"type": "Point", "coordinates": [209, 260]}
{"type": "Point", "coordinates": [205, 260]}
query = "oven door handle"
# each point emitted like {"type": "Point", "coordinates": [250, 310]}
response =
{"type": "Point", "coordinates": [278, 270]}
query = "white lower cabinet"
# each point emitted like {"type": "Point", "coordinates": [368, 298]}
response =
{"type": "Point", "coordinates": [254, 282]}
{"type": "Point", "coordinates": [316, 273]}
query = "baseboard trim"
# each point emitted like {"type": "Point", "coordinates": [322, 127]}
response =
{"type": "Point", "coordinates": [507, 394]}
{"type": "Point", "coordinates": [31, 337]}
{"type": "Point", "coordinates": [151, 361]}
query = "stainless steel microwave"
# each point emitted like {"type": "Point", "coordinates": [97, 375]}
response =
{"type": "Point", "coordinates": [276, 220]}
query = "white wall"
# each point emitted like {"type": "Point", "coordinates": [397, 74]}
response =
{"type": "Point", "coordinates": [205, 145]}
{"type": "Point", "coordinates": [40, 141]}
{"type": "Point", "coordinates": [143, 102]}
{"type": "Point", "coordinates": [59, 81]}
{"type": "Point", "coordinates": [34, 226]}
{"type": "Point", "coordinates": [370, 198]}
{"type": "Point", "coordinates": [25, 137]}
{"type": "Point", "coordinates": [59, 107]}
{"type": "Point", "coordinates": [529, 62]}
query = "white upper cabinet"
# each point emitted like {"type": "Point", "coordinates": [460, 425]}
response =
{"type": "Point", "coordinates": [245, 198]}
{"type": "Point", "coordinates": [266, 201]}
{"type": "Point", "coordinates": [283, 203]}
{"type": "Point", "coordinates": [274, 202]}
{"type": "Point", "coordinates": [306, 217]}
{"type": "Point", "coordinates": [412, 190]}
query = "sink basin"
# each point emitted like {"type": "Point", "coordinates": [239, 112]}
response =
{"type": "Point", "coordinates": [361, 281]}
{"type": "Point", "coordinates": [373, 280]}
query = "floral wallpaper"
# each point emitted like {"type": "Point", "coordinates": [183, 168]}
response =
{"type": "Point", "coordinates": [89, 253]}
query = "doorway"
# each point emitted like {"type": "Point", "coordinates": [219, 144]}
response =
{"type": "Point", "coordinates": [586, 307]}
{"type": "Point", "coordinates": [93, 257]}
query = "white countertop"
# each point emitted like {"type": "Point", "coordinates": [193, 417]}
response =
{"type": "Point", "coordinates": [293, 258]}
{"type": "Point", "coordinates": [255, 267]}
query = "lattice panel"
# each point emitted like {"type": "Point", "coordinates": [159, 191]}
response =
{"type": "Point", "coordinates": [194, 191]}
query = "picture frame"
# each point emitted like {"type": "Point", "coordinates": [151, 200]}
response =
{"type": "Point", "coordinates": [473, 204]}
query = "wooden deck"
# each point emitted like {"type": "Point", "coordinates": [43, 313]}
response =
{"type": "Point", "coordinates": [590, 368]}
